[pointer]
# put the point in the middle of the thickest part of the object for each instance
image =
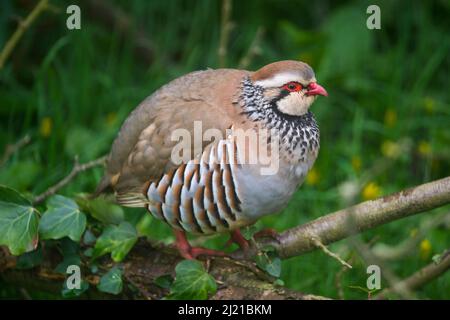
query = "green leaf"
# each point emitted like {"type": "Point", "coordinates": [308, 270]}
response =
{"type": "Point", "coordinates": [88, 252]}
{"type": "Point", "coordinates": [89, 238]}
{"type": "Point", "coordinates": [101, 209]}
{"type": "Point", "coordinates": [68, 247]}
{"type": "Point", "coordinates": [10, 195]}
{"type": "Point", "coordinates": [73, 293]}
{"type": "Point", "coordinates": [94, 268]}
{"type": "Point", "coordinates": [18, 222]}
{"type": "Point", "coordinates": [279, 282]}
{"type": "Point", "coordinates": [117, 240]}
{"type": "Point", "coordinates": [63, 218]}
{"type": "Point", "coordinates": [269, 262]}
{"type": "Point", "coordinates": [192, 282]}
{"type": "Point", "coordinates": [69, 250]}
{"type": "Point", "coordinates": [164, 281]}
{"type": "Point", "coordinates": [437, 258]}
{"type": "Point", "coordinates": [30, 259]}
{"type": "Point", "coordinates": [68, 261]}
{"type": "Point", "coordinates": [111, 282]}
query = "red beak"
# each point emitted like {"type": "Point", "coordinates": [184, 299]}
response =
{"type": "Point", "coordinates": [315, 89]}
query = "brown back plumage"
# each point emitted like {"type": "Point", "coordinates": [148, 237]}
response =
{"type": "Point", "coordinates": [141, 152]}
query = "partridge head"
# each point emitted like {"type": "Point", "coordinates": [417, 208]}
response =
{"type": "Point", "coordinates": [211, 184]}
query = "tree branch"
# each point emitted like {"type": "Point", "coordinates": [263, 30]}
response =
{"type": "Point", "coordinates": [21, 28]}
{"type": "Point", "coordinates": [78, 168]}
{"type": "Point", "coordinates": [421, 277]}
{"type": "Point", "coordinates": [13, 148]}
{"type": "Point", "coordinates": [367, 215]}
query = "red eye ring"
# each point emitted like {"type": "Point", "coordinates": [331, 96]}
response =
{"type": "Point", "coordinates": [293, 86]}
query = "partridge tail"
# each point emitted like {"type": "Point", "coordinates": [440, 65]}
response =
{"type": "Point", "coordinates": [132, 199]}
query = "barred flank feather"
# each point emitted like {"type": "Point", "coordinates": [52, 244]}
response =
{"type": "Point", "coordinates": [201, 196]}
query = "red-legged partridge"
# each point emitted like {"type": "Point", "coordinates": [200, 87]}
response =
{"type": "Point", "coordinates": [214, 186]}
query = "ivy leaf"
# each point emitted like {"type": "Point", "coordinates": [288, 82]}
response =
{"type": "Point", "coordinates": [101, 209]}
{"type": "Point", "coordinates": [10, 195]}
{"type": "Point", "coordinates": [88, 252]}
{"type": "Point", "coordinates": [89, 238]}
{"type": "Point", "coordinates": [30, 259]}
{"type": "Point", "coordinates": [18, 222]}
{"type": "Point", "coordinates": [68, 261]}
{"type": "Point", "coordinates": [63, 218]}
{"type": "Point", "coordinates": [111, 282]}
{"type": "Point", "coordinates": [117, 240]}
{"type": "Point", "coordinates": [164, 281]}
{"type": "Point", "coordinates": [69, 250]}
{"type": "Point", "coordinates": [192, 282]}
{"type": "Point", "coordinates": [269, 262]}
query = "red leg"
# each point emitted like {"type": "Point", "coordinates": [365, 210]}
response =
{"type": "Point", "coordinates": [237, 237]}
{"type": "Point", "coordinates": [182, 244]}
{"type": "Point", "coordinates": [188, 252]}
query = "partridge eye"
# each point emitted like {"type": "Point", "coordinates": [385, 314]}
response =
{"type": "Point", "coordinates": [292, 86]}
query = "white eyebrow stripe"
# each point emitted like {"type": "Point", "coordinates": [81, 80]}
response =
{"type": "Point", "coordinates": [278, 80]}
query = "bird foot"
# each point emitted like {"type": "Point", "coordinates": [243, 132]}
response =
{"type": "Point", "coordinates": [191, 253]}
{"type": "Point", "coordinates": [237, 237]}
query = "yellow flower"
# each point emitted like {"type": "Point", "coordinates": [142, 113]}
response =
{"type": "Point", "coordinates": [45, 128]}
{"type": "Point", "coordinates": [356, 163]}
{"type": "Point", "coordinates": [371, 191]}
{"type": "Point", "coordinates": [390, 149]}
{"type": "Point", "coordinates": [313, 177]}
{"type": "Point", "coordinates": [428, 104]}
{"type": "Point", "coordinates": [425, 249]}
{"type": "Point", "coordinates": [424, 148]}
{"type": "Point", "coordinates": [390, 118]}
{"type": "Point", "coordinates": [111, 118]}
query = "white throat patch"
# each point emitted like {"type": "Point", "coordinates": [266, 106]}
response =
{"type": "Point", "coordinates": [295, 104]}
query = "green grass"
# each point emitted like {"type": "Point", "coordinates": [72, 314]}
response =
{"type": "Point", "coordinates": [384, 86]}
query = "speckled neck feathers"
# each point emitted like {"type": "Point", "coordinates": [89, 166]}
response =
{"type": "Point", "coordinates": [299, 135]}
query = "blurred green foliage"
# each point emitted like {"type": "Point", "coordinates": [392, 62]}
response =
{"type": "Point", "coordinates": [385, 125]}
